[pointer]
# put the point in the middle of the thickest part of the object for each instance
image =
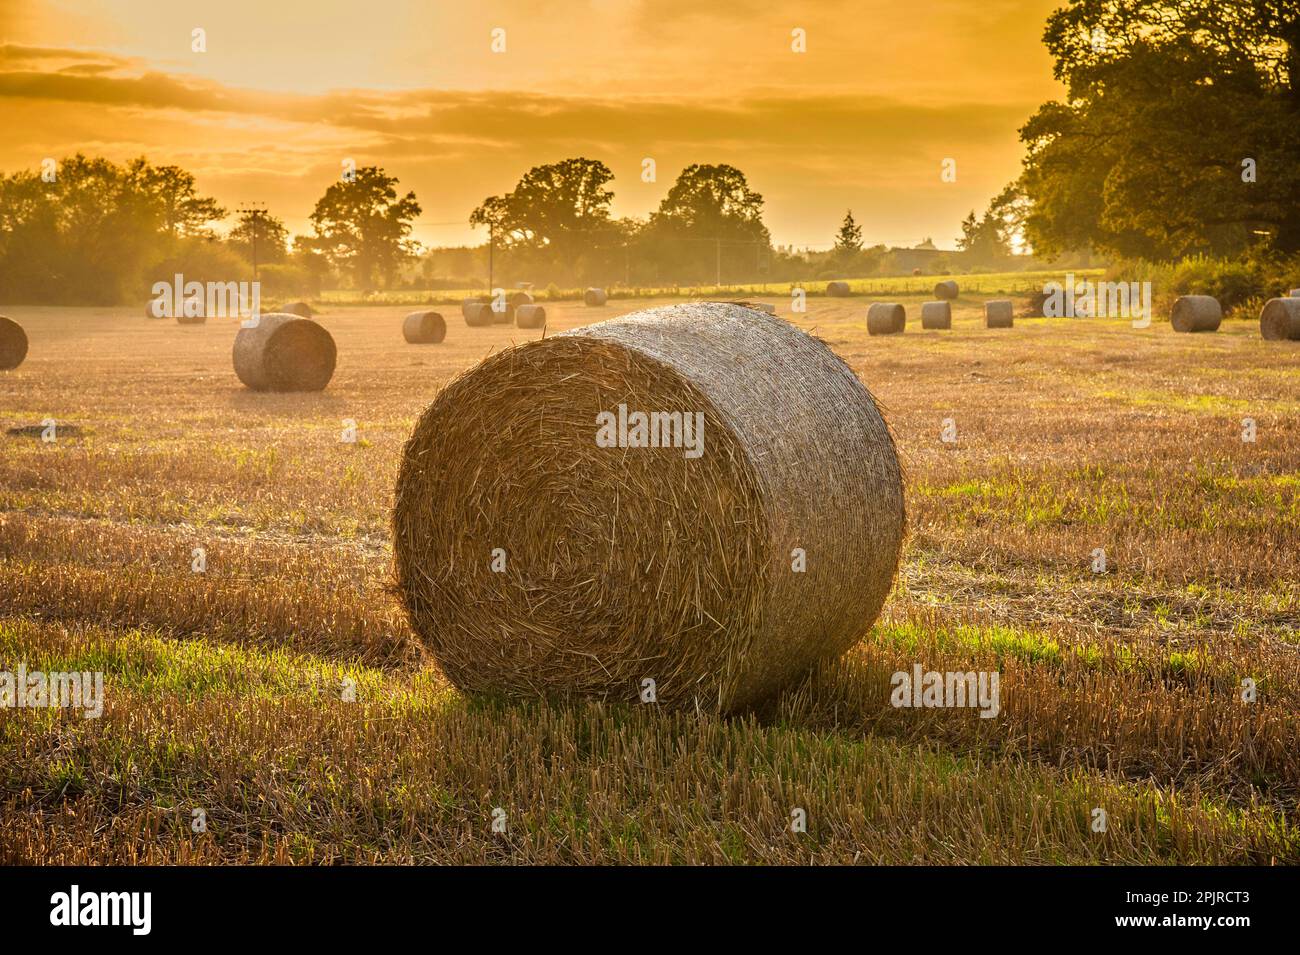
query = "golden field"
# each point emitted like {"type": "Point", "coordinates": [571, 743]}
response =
{"type": "Point", "coordinates": [1120, 690]}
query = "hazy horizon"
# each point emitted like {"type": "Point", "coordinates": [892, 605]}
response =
{"type": "Point", "coordinates": [862, 120]}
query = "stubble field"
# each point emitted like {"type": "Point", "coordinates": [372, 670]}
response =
{"type": "Point", "coordinates": [1120, 690]}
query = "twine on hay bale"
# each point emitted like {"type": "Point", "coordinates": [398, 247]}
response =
{"type": "Point", "coordinates": [594, 297]}
{"type": "Point", "coordinates": [477, 314]}
{"type": "Point", "coordinates": [284, 352]}
{"type": "Point", "coordinates": [530, 316]}
{"type": "Point", "coordinates": [424, 328]}
{"type": "Point", "coordinates": [1196, 313]}
{"type": "Point", "coordinates": [13, 344]}
{"type": "Point", "coordinates": [1279, 319]}
{"type": "Point", "coordinates": [999, 313]}
{"type": "Point", "coordinates": [837, 289]}
{"type": "Point", "coordinates": [946, 291]}
{"type": "Point", "coordinates": [936, 315]}
{"type": "Point", "coordinates": [886, 318]}
{"type": "Point", "coordinates": [615, 565]}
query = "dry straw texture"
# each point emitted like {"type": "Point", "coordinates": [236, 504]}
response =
{"type": "Point", "coordinates": [999, 313]}
{"type": "Point", "coordinates": [13, 344]}
{"type": "Point", "coordinates": [886, 318]}
{"type": "Point", "coordinates": [936, 315]}
{"type": "Point", "coordinates": [594, 297]}
{"type": "Point", "coordinates": [424, 328]}
{"type": "Point", "coordinates": [1280, 319]}
{"type": "Point", "coordinates": [530, 316]}
{"type": "Point", "coordinates": [1196, 313]}
{"type": "Point", "coordinates": [837, 289]}
{"type": "Point", "coordinates": [946, 291]}
{"type": "Point", "coordinates": [624, 564]}
{"type": "Point", "coordinates": [284, 353]}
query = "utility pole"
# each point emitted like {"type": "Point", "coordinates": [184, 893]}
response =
{"type": "Point", "coordinates": [492, 240]}
{"type": "Point", "coordinates": [718, 274]}
{"type": "Point", "coordinates": [255, 211]}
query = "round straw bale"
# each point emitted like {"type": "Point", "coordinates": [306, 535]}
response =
{"type": "Point", "coordinates": [886, 318]}
{"type": "Point", "coordinates": [534, 556]}
{"type": "Point", "coordinates": [182, 318]}
{"type": "Point", "coordinates": [1196, 313]}
{"type": "Point", "coordinates": [477, 314]}
{"type": "Point", "coordinates": [1279, 320]}
{"type": "Point", "coordinates": [1295, 293]}
{"type": "Point", "coordinates": [936, 315]}
{"type": "Point", "coordinates": [999, 313]}
{"type": "Point", "coordinates": [468, 303]}
{"type": "Point", "coordinates": [530, 316]}
{"type": "Point", "coordinates": [837, 289]}
{"type": "Point", "coordinates": [301, 309]}
{"type": "Point", "coordinates": [946, 291]}
{"type": "Point", "coordinates": [594, 297]}
{"type": "Point", "coordinates": [13, 344]}
{"type": "Point", "coordinates": [424, 328]}
{"type": "Point", "coordinates": [284, 352]}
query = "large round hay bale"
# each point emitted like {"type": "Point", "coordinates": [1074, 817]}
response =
{"type": "Point", "coordinates": [1279, 320]}
{"type": "Point", "coordinates": [1196, 313]}
{"type": "Point", "coordinates": [886, 318]}
{"type": "Point", "coordinates": [301, 309]}
{"type": "Point", "coordinates": [424, 328]}
{"type": "Point", "coordinates": [946, 291]}
{"type": "Point", "coordinates": [535, 555]}
{"type": "Point", "coordinates": [13, 344]}
{"type": "Point", "coordinates": [999, 313]}
{"type": "Point", "coordinates": [284, 352]}
{"type": "Point", "coordinates": [530, 316]}
{"type": "Point", "coordinates": [477, 314]}
{"type": "Point", "coordinates": [936, 315]}
{"type": "Point", "coordinates": [594, 297]}
{"type": "Point", "coordinates": [837, 289]}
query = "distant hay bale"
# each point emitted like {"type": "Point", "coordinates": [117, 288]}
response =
{"type": "Point", "coordinates": [886, 318]}
{"type": "Point", "coordinates": [837, 289]}
{"type": "Point", "coordinates": [1279, 320]}
{"type": "Point", "coordinates": [946, 291]}
{"type": "Point", "coordinates": [13, 344]}
{"type": "Point", "coordinates": [936, 315]}
{"type": "Point", "coordinates": [999, 313]}
{"type": "Point", "coordinates": [301, 309]}
{"type": "Point", "coordinates": [916, 271]}
{"type": "Point", "coordinates": [284, 352]}
{"type": "Point", "coordinates": [501, 310]}
{"type": "Point", "coordinates": [468, 303]}
{"type": "Point", "coordinates": [594, 297]}
{"type": "Point", "coordinates": [197, 319]}
{"type": "Point", "coordinates": [530, 316]}
{"type": "Point", "coordinates": [1196, 313]}
{"type": "Point", "coordinates": [477, 314]}
{"type": "Point", "coordinates": [424, 328]}
{"type": "Point", "coordinates": [1295, 293]}
{"type": "Point", "coordinates": [536, 557]}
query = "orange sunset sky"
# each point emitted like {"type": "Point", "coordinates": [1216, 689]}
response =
{"type": "Point", "coordinates": [285, 91]}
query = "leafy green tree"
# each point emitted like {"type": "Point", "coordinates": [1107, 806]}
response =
{"type": "Point", "coordinates": [559, 205]}
{"type": "Point", "coordinates": [173, 197]}
{"type": "Point", "coordinates": [1166, 101]}
{"type": "Point", "coordinates": [710, 222]}
{"type": "Point", "coordinates": [362, 227]}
